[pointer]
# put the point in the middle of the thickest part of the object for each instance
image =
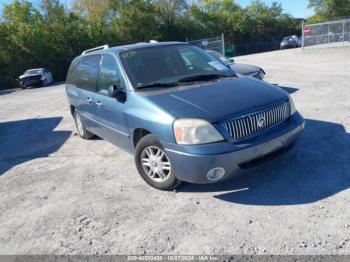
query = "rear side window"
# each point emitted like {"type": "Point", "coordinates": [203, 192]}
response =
{"type": "Point", "coordinates": [109, 73]}
{"type": "Point", "coordinates": [71, 76]}
{"type": "Point", "coordinates": [87, 72]}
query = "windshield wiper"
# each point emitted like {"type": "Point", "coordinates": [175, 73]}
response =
{"type": "Point", "coordinates": [202, 77]}
{"type": "Point", "coordinates": [160, 84]}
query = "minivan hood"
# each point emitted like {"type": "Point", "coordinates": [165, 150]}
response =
{"type": "Point", "coordinates": [216, 101]}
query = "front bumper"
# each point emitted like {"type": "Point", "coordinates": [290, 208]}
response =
{"type": "Point", "coordinates": [192, 163]}
{"type": "Point", "coordinates": [30, 82]}
{"type": "Point", "coordinates": [288, 45]}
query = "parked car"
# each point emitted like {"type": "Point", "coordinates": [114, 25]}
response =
{"type": "Point", "coordinates": [240, 69]}
{"type": "Point", "coordinates": [35, 77]}
{"type": "Point", "coordinates": [289, 42]}
{"type": "Point", "coordinates": [184, 115]}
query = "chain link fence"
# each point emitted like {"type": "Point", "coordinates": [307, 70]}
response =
{"type": "Point", "coordinates": [257, 47]}
{"type": "Point", "coordinates": [218, 44]}
{"type": "Point", "coordinates": [214, 43]}
{"type": "Point", "coordinates": [326, 33]}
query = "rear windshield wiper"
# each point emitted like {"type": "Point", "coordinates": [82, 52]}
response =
{"type": "Point", "coordinates": [203, 77]}
{"type": "Point", "coordinates": [160, 84]}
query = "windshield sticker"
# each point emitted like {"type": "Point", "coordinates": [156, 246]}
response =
{"type": "Point", "coordinates": [217, 65]}
{"type": "Point", "coordinates": [128, 54]}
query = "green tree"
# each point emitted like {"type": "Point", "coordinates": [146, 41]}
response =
{"type": "Point", "coordinates": [168, 16]}
{"type": "Point", "coordinates": [329, 9]}
{"type": "Point", "coordinates": [51, 36]}
{"type": "Point", "coordinates": [256, 22]}
{"type": "Point", "coordinates": [53, 10]}
{"type": "Point", "coordinates": [21, 38]}
{"type": "Point", "coordinates": [267, 23]}
{"type": "Point", "coordinates": [217, 16]}
{"type": "Point", "coordinates": [99, 16]}
{"type": "Point", "coordinates": [65, 35]}
{"type": "Point", "coordinates": [137, 22]}
{"type": "Point", "coordinates": [51, 39]}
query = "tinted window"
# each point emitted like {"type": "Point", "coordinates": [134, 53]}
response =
{"type": "Point", "coordinates": [220, 57]}
{"type": "Point", "coordinates": [87, 72]}
{"type": "Point", "coordinates": [33, 72]}
{"type": "Point", "coordinates": [71, 76]}
{"type": "Point", "coordinates": [109, 73]}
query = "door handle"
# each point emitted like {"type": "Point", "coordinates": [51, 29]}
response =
{"type": "Point", "coordinates": [88, 100]}
{"type": "Point", "coordinates": [98, 103]}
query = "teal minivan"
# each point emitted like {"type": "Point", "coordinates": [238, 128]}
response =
{"type": "Point", "coordinates": [184, 115]}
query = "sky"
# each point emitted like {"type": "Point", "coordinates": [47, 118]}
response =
{"type": "Point", "coordinates": [297, 8]}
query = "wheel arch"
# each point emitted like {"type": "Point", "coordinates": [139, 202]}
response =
{"type": "Point", "coordinates": [138, 134]}
{"type": "Point", "coordinates": [72, 109]}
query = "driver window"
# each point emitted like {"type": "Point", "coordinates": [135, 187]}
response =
{"type": "Point", "coordinates": [109, 74]}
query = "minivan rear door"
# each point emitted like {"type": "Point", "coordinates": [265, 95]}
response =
{"type": "Point", "coordinates": [86, 83]}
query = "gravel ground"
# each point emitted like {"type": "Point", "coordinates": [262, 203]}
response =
{"type": "Point", "coordinates": [64, 195]}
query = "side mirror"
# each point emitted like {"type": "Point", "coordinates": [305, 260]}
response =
{"type": "Point", "coordinates": [117, 92]}
{"type": "Point", "coordinates": [113, 91]}
{"type": "Point", "coordinates": [232, 60]}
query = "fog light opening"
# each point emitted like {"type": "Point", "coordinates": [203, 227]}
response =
{"type": "Point", "coordinates": [215, 173]}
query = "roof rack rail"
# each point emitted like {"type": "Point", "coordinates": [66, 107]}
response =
{"type": "Point", "coordinates": [102, 47]}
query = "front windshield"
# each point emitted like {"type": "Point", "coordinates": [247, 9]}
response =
{"type": "Point", "coordinates": [33, 72]}
{"type": "Point", "coordinates": [169, 64]}
{"type": "Point", "coordinates": [287, 38]}
{"type": "Point", "coordinates": [222, 58]}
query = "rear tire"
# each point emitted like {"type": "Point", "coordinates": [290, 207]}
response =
{"type": "Point", "coordinates": [153, 164]}
{"type": "Point", "coordinates": [81, 128]}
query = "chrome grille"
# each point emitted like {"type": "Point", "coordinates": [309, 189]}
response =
{"type": "Point", "coordinates": [254, 123]}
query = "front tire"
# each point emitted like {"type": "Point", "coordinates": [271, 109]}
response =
{"type": "Point", "coordinates": [81, 128]}
{"type": "Point", "coordinates": [154, 165]}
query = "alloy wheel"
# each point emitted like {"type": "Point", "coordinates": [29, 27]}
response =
{"type": "Point", "coordinates": [155, 163]}
{"type": "Point", "coordinates": [79, 124]}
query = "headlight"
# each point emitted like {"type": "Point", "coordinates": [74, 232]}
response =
{"type": "Point", "coordinates": [195, 131]}
{"type": "Point", "coordinates": [292, 105]}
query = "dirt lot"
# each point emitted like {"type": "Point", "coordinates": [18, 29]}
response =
{"type": "Point", "coordinates": [64, 195]}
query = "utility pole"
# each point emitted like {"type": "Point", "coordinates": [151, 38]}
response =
{"type": "Point", "coordinates": [302, 34]}
{"type": "Point", "coordinates": [223, 44]}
